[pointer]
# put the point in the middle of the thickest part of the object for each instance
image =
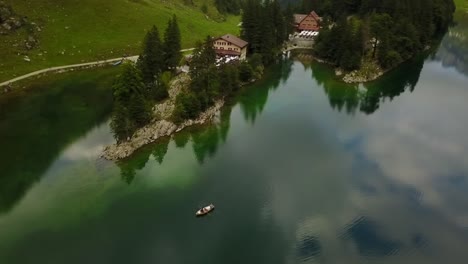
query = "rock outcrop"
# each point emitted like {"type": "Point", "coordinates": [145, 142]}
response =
{"type": "Point", "coordinates": [369, 71]}
{"type": "Point", "coordinates": [356, 77]}
{"type": "Point", "coordinates": [11, 22]}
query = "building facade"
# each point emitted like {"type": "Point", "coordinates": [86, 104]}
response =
{"type": "Point", "coordinates": [309, 22]}
{"type": "Point", "coordinates": [230, 45]}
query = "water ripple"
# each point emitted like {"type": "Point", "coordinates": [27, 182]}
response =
{"type": "Point", "coordinates": [369, 238]}
{"type": "Point", "coordinates": [309, 247]}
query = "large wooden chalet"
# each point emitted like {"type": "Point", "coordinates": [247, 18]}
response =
{"type": "Point", "coordinates": [230, 45]}
{"type": "Point", "coordinates": [309, 22]}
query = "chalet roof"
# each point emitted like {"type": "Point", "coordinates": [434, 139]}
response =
{"type": "Point", "coordinates": [227, 52]}
{"type": "Point", "coordinates": [234, 40]}
{"type": "Point", "coordinates": [299, 17]}
{"type": "Point", "coordinates": [315, 16]}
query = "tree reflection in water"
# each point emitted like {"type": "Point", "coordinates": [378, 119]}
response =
{"type": "Point", "coordinates": [38, 123]}
{"type": "Point", "coordinates": [453, 51]}
{"type": "Point", "coordinates": [368, 97]}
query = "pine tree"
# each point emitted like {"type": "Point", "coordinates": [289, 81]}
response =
{"type": "Point", "coordinates": [150, 61]}
{"type": "Point", "coordinates": [121, 124]}
{"type": "Point", "coordinates": [279, 22]}
{"type": "Point", "coordinates": [172, 44]}
{"type": "Point", "coordinates": [128, 82]}
{"type": "Point", "coordinates": [289, 19]}
{"type": "Point", "coordinates": [251, 25]}
{"type": "Point", "coordinates": [205, 80]}
{"type": "Point", "coordinates": [268, 34]}
{"type": "Point", "coordinates": [131, 110]}
{"type": "Point", "coordinates": [139, 110]}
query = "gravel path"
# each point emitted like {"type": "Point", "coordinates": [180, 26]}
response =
{"type": "Point", "coordinates": [58, 68]}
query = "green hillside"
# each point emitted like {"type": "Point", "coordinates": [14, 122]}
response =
{"type": "Point", "coordinates": [75, 31]}
{"type": "Point", "coordinates": [461, 4]}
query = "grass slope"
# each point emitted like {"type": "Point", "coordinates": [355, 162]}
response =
{"type": "Point", "coordinates": [75, 31]}
{"type": "Point", "coordinates": [461, 4]}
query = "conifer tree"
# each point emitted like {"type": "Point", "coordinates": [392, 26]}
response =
{"type": "Point", "coordinates": [150, 61]}
{"type": "Point", "coordinates": [121, 124]}
{"type": "Point", "coordinates": [205, 80]}
{"type": "Point", "coordinates": [172, 44]}
{"type": "Point", "coordinates": [131, 110]}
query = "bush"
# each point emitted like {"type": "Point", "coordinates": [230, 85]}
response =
{"type": "Point", "coordinates": [187, 106]}
{"type": "Point", "coordinates": [229, 78]}
{"type": "Point", "coordinates": [204, 9]}
{"type": "Point", "coordinates": [390, 59]}
{"type": "Point", "coordinates": [255, 60]}
{"type": "Point", "coordinates": [350, 61]}
{"type": "Point", "coordinates": [258, 72]}
{"type": "Point", "coordinates": [245, 72]}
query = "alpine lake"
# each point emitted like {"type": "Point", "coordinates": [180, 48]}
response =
{"type": "Point", "coordinates": [301, 167]}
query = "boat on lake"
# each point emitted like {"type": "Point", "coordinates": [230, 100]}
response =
{"type": "Point", "coordinates": [205, 210]}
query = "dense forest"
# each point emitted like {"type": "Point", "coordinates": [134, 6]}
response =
{"type": "Point", "coordinates": [265, 25]}
{"type": "Point", "coordinates": [353, 32]}
{"type": "Point", "coordinates": [388, 31]}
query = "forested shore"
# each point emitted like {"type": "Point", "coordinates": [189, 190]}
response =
{"type": "Point", "coordinates": [371, 37]}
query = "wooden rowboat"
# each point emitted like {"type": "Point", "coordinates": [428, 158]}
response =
{"type": "Point", "coordinates": [205, 210]}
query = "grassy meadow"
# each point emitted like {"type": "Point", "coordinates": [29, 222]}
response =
{"type": "Point", "coordinates": [75, 31]}
{"type": "Point", "coordinates": [461, 5]}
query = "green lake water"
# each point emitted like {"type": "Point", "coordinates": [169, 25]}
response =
{"type": "Point", "coordinates": [301, 169]}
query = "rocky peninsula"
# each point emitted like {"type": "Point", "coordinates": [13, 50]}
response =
{"type": "Point", "coordinates": [162, 125]}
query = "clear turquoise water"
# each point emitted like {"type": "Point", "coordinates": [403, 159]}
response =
{"type": "Point", "coordinates": [301, 168]}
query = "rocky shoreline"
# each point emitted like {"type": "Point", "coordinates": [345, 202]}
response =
{"type": "Point", "coordinates": [162, 126]}
{"type": "Point", "coordinates": [369, 71]}
{"type": "Point", "coordinates": [152, 132]}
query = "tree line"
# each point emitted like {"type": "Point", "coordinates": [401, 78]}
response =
{"type": "Point", "coordinates": [139, 86]}
{"type": "Point", "coordinates": [388, 31]}
{"type": "Point", "coordinates": [265, 25]}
